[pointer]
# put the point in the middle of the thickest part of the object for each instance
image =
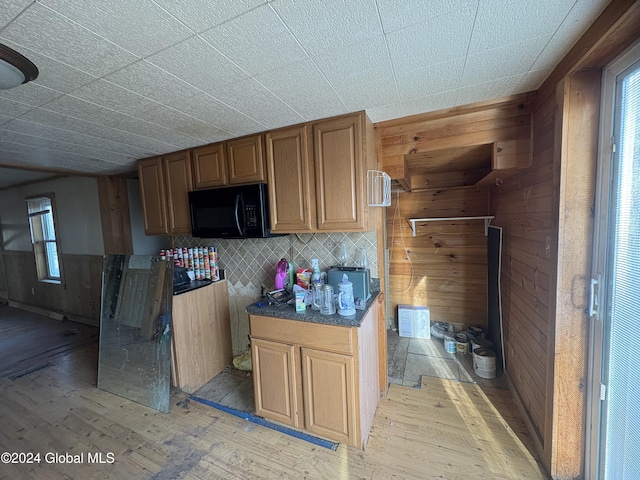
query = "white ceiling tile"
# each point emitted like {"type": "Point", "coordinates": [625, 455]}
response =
{"type": "Point", "coordinates": [140, 27]}
{"type": "Point", "coordinates": [183, 123]}
{"type": "Point", "coordinates": [201, 15]}
{"type": "Point", "coordinates": [376, 92]}
{"type": "Point", "coordinates": [113, 97]}
{"type": "Point", "coordinates": [42, 30]}
{"type": "Point", "coordinates": [22, 139]}
{"type": "Point", "coordinates": [31, 94]}
{"type": "Point", "coordinates": [62, 146]}
{"type": "Point", "coordinates": [505, 60]}
{"type": "Point", "coordinates": [199, 64]}
{"type": "Point", "coordinates": [583, 13]}
{"type": "Point", "coordinates": [327, 26]}
{"type": "Point", "coordinates": [356, 63]}
{"type": "Point", "coordinates": [54, 119]}
{"type": "Point", "coordinates": [293, 85]}
{"type": "Point", "coordinates": [10, 9]}
{"type": "Point", "coordinates": [256, 41]}
{"type": "Point", "coordinates": [433, 79]}
{"type": "Point", "coordinates": [53, 159]}
{"type": "Point", "coordinates": [151, 81]}
{"type": "Point", "coordinates": [252, 99]}
{"type": "Point", "coordinates": [208, 109]}
{"type": "Point", "coordinates": [430, 103]}
{"type": "Point", "coordinates": [54, 133]}
{"type": "Point", "coordinates": [10, 108]}
{"type": "Point", "coordinates": [532, 80]}
{"type": "Point", "coordinates": [397, 14]}
{"type": "Point", "coordinates": [148, 146]}
{"type": "Point", "coordinates": [509, 21]}
{"type": "Point", "coordinates": [7, 146]}
{"type": "Point", "coordinates": [387, 112]}
{"type": "Point", "coordinates": [431, 42]}
{"type": "Point", "coordinates": [96, 114]}
{"type": "Point", "coordinates": [98, 121]}
{"type": "Point", "coordinates": [53, 74]}
{"type": "Point", "coordinates": [493, 89]}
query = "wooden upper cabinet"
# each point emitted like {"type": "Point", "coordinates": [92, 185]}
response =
{"type": "Point", "coordinates": [210, 166]}
{"type": "Point", "coordinates": [245, 159]}
{"type": "Point", "coordinates": [289, 176]}
{"type": "Point", "coordinates": [340, 153]}
{"type": "Point", "coordinates": [507, 158]}
{"type": "Point", "coordinates": [177, 169]}
{"type": "Point", "coordinates": [152, 192]}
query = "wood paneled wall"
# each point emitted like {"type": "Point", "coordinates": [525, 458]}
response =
{"type": "Point", "coordinates": [445, 265]}
{"type": "Point", "coordinates": [523, 207]}
{"type": "Point", "coordinates": [470, 125]}
{"type": "Point", "coordinates": [79, 295]}
{"type": "Point", "coordinates": [545, 213]}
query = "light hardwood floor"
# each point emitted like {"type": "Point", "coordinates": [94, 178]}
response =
{"type": "Point", "coordinates": [446, 430]}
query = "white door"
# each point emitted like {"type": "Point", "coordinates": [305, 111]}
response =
{"type": "Point", "coordinates": [613, 449]}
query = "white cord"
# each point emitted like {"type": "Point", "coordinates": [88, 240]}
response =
{"type": "Point", "coordinates": [396, 213]}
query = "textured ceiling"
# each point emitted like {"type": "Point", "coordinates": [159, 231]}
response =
{"type": "Point", "coordinates": [121, 79]}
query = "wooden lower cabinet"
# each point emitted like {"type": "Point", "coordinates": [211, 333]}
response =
{"type": "Point", "coordinates": [201, 341]}
{"type": "Point", "coordinates": [316, 377]}
{"type": "Point", "coordinates": [275, 377]}
{"type": "Point", "coordinates": [328, 385]}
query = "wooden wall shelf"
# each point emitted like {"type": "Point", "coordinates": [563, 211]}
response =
{"type": "Point", "coordinates": [487, 219]}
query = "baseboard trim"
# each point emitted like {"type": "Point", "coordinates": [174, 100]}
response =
{"type": "Point", "coordinates": [38, 310]}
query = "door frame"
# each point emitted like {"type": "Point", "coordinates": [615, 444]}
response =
{"type": "Point", "coordinates": [600, 260]}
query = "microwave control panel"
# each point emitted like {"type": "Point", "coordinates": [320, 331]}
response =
{"type": "Point", "coordinates": [252, 216]}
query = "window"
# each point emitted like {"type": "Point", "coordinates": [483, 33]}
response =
{"type": "Point", "coordinates": [43, 237]}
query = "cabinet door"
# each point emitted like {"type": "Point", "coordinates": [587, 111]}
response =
{"type": "Point", "coordinates": [274, 381]}
{"type": "Point", "coordinates": [290, 183]}
{"type": "Point", "coordinates": [340, 173]}
{"type": "Point", "coordinates": [177, 168]}
{"type": "Point", "coordinates": [152, 191]}
{"type": "Point", "coordinates": [329, 389]}
{"type": "Point", "coordinates": [246, 163]}
{"type": "Point", "coordinates": [209, 166]}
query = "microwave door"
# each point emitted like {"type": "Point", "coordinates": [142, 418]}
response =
{"type": "Point", "coordinates": [217, 217]}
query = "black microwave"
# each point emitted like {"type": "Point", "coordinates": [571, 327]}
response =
{"type": "Point", "coordinates": [230, 212]}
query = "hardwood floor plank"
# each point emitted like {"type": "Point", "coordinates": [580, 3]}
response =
{"type": "Point", "coordinates": [446, 429]}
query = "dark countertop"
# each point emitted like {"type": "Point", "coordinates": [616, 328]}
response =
{"type": "Point", "coordinates": [312, 316]}
{"type": "Point", "coordinates": [189, 287]}
{"type": "Point", "coordinates": [195, 284]}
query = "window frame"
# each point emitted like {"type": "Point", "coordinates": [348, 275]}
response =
{"type": "Point", "coordinates": [39, 244]}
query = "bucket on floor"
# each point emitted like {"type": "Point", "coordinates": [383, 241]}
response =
{"type": "Point", "coordinates": [474, 332]}
{"type": "Point", "coordinates": [484, 363]}
{"type": "Point", "coordinates": [449, 343]}
{"type": "Point", "coordinates": [480, 343]}
{"type": "Point", "coordinates": [462, 343]}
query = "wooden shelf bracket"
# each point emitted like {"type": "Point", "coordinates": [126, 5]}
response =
{"type": "Point", "coordinates": [487, 220]}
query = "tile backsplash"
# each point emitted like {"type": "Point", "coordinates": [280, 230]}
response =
{"type": "Point", "coordinates": [254, 260]}
{"type": "Point", "coordinates": [250, 263]}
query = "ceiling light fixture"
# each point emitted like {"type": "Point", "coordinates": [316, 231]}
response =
{"type": "Point", "coordinates": [15, 69]}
